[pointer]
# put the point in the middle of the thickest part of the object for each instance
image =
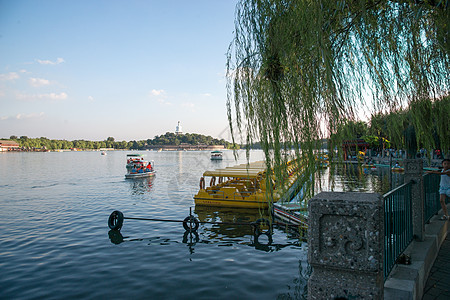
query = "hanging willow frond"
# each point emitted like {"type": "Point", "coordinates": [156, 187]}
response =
{"type": "Point", "coordinates": [300, 69]}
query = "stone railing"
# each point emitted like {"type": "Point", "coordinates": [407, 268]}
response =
{"type": "Point", "coordinates": [346, 240]}
{"type": "Point", "coordinates": [346, 248]}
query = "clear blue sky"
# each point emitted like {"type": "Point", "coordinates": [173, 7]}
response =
{"type": "Point", "coordinates": [126, 69]}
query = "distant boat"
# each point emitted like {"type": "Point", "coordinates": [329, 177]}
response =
{"type": "Point", "coordinates": [137, 167]}
{"type": "Point", "coordinates": [216, 155]}
{"type": "Point", "coordinates": [103, 152]}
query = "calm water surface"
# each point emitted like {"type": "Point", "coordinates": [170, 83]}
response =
{"type": "Point", "coordinates": [55, 242]}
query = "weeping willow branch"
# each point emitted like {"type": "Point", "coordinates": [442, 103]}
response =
{"type": "Point", "coordinates": [299, 69]}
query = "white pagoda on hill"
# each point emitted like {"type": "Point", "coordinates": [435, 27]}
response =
{"type": "Point", "coordinates": [178, 129]}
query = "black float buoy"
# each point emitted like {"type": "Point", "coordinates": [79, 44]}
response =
{"type": "Point", "coordinates": [115, 220]}
{"type": "Point", "coordinates": [190, 224]}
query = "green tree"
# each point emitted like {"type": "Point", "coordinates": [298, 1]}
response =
{"type": "Point", "coordinates": [67, 145]}
{"type": "Point", "coordinates": [298, 69]}
{"type": "Point", "coordinates": [79, 144]}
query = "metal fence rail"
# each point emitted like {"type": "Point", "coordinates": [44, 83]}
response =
{"type": "Point", "coordinates": [398, 227]}
{"type": "Point", "coordinates": [431, 191]}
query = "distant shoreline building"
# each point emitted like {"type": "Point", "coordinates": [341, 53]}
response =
{"type": "Point", "coordinates": [7, 145]}
{"type": "Point", "coordinates": [178, 129]}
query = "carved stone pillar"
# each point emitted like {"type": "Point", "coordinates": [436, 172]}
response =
{"type": "Point", "coordinates": [414, 172]}
{"type": "Point", "coordinates": [346, 246]}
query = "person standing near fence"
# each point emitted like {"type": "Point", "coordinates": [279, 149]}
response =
{"type": "Point", "coordinates": [444, 187]}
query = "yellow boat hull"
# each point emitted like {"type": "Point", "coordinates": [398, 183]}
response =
{"type": "Point", "coordinates": [254, 201]}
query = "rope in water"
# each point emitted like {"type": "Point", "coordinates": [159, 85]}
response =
{"type": "Point", "coordinates": [190, 223]}
{"type": "Point", "coordinates": [180, 221]}
{"type": "Point", "coordinates": [210, 222]}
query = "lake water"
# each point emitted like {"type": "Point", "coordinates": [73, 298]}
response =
{"type": "Point", "coordinates": [55, 242]}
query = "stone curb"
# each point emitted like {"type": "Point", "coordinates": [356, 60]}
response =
{"type": "Point", "coordinates": [408, 281]}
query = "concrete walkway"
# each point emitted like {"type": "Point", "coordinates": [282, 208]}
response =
{"type": "Point", "coordinates": [438, 283]}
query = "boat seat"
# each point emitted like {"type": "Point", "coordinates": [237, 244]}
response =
{"type": "Point", "coordinates": [239, 186]}
{"type": "Point", "coordinates": [248, 183]}
{"type": "Point", "coordinates": [212, 189]}
{"type": "Point", "coordinates": [228, 192]}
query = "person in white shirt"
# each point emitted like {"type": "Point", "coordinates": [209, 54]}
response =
{"type": "Point", "coordinates": [444, 187]}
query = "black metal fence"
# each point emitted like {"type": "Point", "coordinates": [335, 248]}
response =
{"type": "Point", "coordinates": [431, 194]}
{"type": "Point", "coordinates": [398, 224]}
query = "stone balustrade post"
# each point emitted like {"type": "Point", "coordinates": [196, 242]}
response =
{"type": "Point", "coordinates": [414, 172]}
{"type": "Point", "coordinates": [346, 246]}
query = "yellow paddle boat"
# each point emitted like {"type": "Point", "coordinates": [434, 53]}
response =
{"type": "Point", "coordinates": [243, 186]}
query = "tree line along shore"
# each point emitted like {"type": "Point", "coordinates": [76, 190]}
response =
{"type": "Point", "coordinates": [171, 140]}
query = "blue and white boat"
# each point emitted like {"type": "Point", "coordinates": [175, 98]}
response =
{"type": "Point", "coordinates": [216, 155]}
{"type": "Point", "coordinates": [137, 167]}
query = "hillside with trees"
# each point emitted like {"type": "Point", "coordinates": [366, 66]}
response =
{"type": "Point", "coordinates": [168, 138]}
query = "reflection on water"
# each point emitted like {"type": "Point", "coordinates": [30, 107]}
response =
{"type": "Point", "coordinates": [241, 219]}
{"type": "Point", "coordinates": [190, 239]}
{"type": "Point", "coordinates": [115, 237]}
{"type": "Point", "coordinates": [227, 227]}
{"type": "Point", "coordinates": [299, 288]}
{"type": "Point", "coordinates": [140, 186]}
{"type": "Point", "coordinates": [355, 178]}
{"type": "Point", "coordinates": [223, 227]}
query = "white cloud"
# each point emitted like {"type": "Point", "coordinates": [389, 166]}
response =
{"type": "Point", "coordinates": [90, 98]}
{"type": "Point", "coordinates": [53, 96]}
{"type": "Point", "coordinates": [9, 76]}
{"type": "Point", "coordinates": [206, 95]}
{"type": "Point", "coordinates": [37, 82]}
{"type": "Point", "coordinates": [23, 116]}
{"type": "Point", "coordinates": [29, 116]}
{"type": "Point", "coordinates": [49, 96]}
{"type": "Point", "coordinates": [160, 96]}
{"type": "Point", "coordinates": [58, 61]}
{"type": "Point", "coordinates": [158, 92]}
